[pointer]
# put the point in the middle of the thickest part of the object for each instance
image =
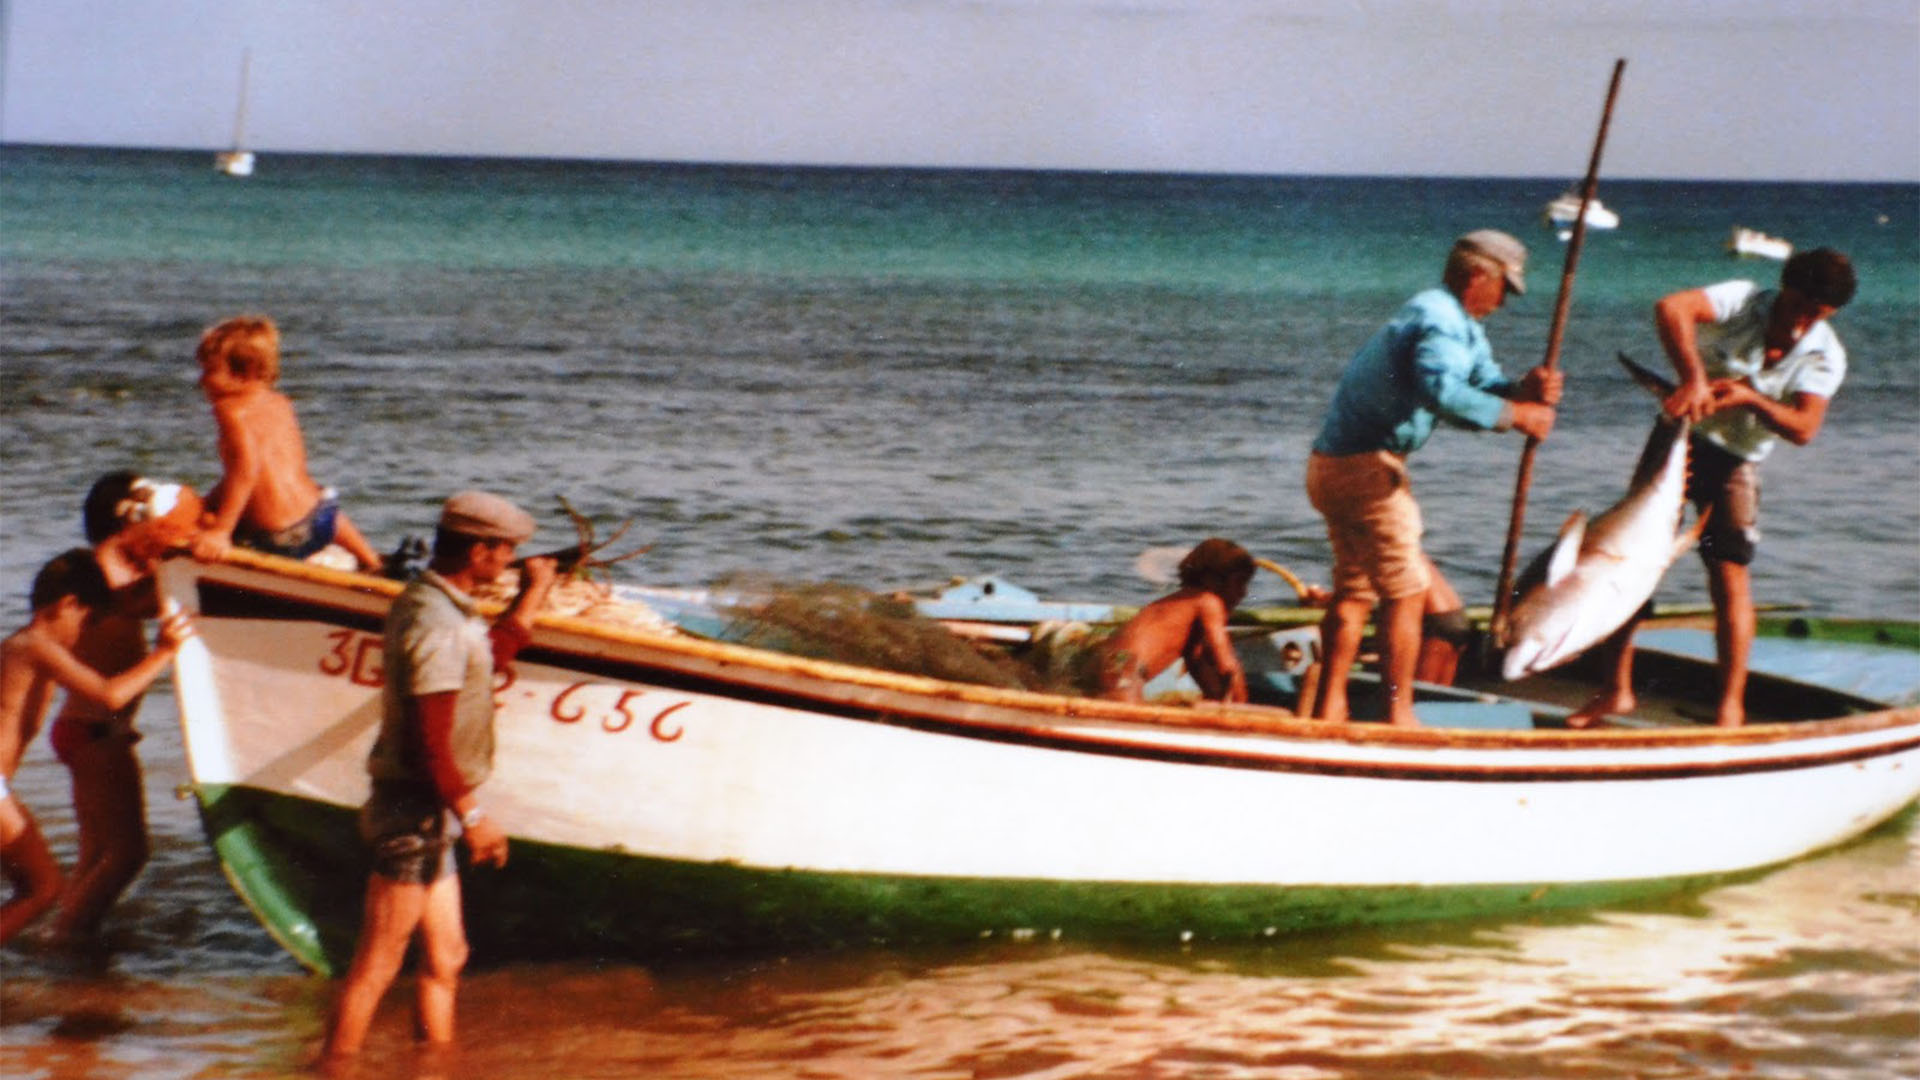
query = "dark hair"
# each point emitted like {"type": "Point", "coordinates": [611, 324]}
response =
{"type": "Point", "coordinates": [1822, 275]}
{"type": "Point", "coordinates": [1216, 562]}
{"type": "Point", "coordinates": [99, 514]}
{"type": "Point", "coordinates": [70, 573]}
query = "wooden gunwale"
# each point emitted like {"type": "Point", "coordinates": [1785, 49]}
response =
{"type": "Point", "coordinates": [871, 689]}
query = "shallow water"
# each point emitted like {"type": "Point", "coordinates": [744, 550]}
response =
{"type": "Point", "coordinates": [891, 378]}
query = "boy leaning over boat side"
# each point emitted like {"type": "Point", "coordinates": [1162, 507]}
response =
{"type": "Point", "coordinates": [265, 500]}
{"type": "Point", "coordinates": [435, 748]}
{"type": "Point", "coordinates": [34, 661]}
{"type": "Point", "coordinates": [133, 523]}
{"type": "Point", "coordinates": [1190, 623]}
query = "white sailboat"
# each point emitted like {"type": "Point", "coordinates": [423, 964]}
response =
{"type": "Point", "coordinates": [238, 162]}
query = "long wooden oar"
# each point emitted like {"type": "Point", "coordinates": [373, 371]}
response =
{"type": "Point", "coordinates": [1503, 595]}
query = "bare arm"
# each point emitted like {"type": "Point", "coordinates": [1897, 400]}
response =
{"type": "Point", "coordinates": [79, 679]}
{"type": "Point", "coordinates": [434, 715]}
{"type": "Point", "coordinates": [1677, 318]}
{"type": "Point", "coordinates": [240, 464]}
{"type": "Point", "coordinates": [1797, 421]}
{"type": "Point", "coordinates": [536, 579]}
{"type": "Point", "coordinates": [1219, 650]}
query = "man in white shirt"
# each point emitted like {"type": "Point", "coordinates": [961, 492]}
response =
{"type": "Point", "coordinates": [1755, 366]}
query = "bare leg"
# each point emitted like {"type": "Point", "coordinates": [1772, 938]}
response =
{"type": "Point", "coordinates": [444, 940]}
{"type": "Point", "coordinates": [1616, 697]}
{"type": "Point", "coordinates": [29, 866]}
{"type": "Point", "coordinates": [1439, 657]}
{"type": "Point", "coordinates": [393, 911]}
{"type": "Point", "coordinates": [1340, 631]}
{"type": "Point", "coordinates": [109, 804]}
{"type": "Point", "coordinates": [347, 535]}
{"type": "Point", "coordinates": [1400, 620]}
{"type": "Point", "coordinates": [1733, 637]}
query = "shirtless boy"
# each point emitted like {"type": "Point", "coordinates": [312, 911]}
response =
{"type": "Point", "coordinates": [33, 661]}
{"type": "Point", "coordinates": [266, 500]}
{"type": "Point", "coordinates": [132, 523]}
{"type": "Point", "coordinates": [1190, 623]}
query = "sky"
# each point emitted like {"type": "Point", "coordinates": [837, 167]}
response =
{"type": "Point", "coordinates": [1719, 89]}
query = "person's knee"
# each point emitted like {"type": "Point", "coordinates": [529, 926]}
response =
{"type": "Point", "coordinates": [444, 961]}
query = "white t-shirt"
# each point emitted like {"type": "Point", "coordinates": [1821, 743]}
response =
{"type": "Point", "coordinates": [1734, 347]}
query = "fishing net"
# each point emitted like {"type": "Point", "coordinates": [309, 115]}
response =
{"type": "Point", "coordinates": [848, 625]}
{"type": "Point", "coordinates": [851, 625]}
{"type": "Point", "coordinates": [1065, 657]}
{"type": "Point", "coordinates": [582, 597]}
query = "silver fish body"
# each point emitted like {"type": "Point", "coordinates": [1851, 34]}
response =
{"type": "Point", "coordinates": [1600, 573]}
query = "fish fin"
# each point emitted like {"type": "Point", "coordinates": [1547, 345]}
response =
{"type": "Point", "coordinates": [1653, 383]}
{"type": "Point", "coordinates": [1566, 549]}
{"type": "Point", "coordinates": [1691, 535]}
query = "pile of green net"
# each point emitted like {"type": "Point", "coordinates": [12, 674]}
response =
{"type": "Point", "coordinates": [851, 625]}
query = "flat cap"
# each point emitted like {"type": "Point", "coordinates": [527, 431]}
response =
{"type": "Point", "coordinates": [1502, 248]}
{"type": "Point", "coordinates": [487, 516]}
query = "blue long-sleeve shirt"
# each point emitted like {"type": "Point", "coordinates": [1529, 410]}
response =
{"type": "Point", "coordinates": [1431, 361]}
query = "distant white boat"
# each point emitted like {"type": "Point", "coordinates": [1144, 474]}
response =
{"type": "Point", "coordinates": [238, 162]}
{"type": "Point", "coordinates": [1753, 243]}
{"type": "Point", "coordinates": [1562, 212]}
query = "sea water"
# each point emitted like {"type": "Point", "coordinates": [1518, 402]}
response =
{"type": "Point", "coordinates": [892, 378]}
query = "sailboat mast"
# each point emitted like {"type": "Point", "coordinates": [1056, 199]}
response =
{"type": "Point", "coordinates": [240, 113]}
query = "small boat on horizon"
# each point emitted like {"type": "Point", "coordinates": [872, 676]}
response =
{"type": "Point", "coordinates": [1563, 211]}
{"type": "Point", "coordinates": [667, 794]}
{"type": "Point", "coordinates": [1752, 243]}
{"type": "Point", "coordinates": [238, 161]}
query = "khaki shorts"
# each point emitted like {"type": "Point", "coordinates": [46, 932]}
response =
{"type": "Point", "coordinates": [1372, 522]}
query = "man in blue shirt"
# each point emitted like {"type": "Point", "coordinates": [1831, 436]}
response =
{"type": "Point", "coordinates": [1431, 362]}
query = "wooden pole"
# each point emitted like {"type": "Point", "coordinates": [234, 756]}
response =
{"type": "Point", "coordinates": [1503, 595]}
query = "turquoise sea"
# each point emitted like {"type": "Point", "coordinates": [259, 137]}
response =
{"type": "Point", "coordinates": [890, 378]}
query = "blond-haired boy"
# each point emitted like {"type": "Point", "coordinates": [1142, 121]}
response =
{"type": "Point", "coordinates": [265, 500]}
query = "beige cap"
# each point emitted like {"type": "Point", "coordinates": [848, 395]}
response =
{"type": "Point", "coordinates": [1502, 248]}
{"type": "Point", "coordinates": [489, 517]}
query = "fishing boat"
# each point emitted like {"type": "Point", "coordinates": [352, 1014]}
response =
{"type": "Point", "coordinates": [238, 161]}
{"type": "Point", "coordinates": [1563, 211]}
{"type": "Point", "coordinates": [1752, 243]}
{"type": "Point", "coordinates": [670, 795]}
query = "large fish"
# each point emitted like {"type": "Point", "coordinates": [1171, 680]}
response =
{"type": "Point", "coordinates": [1599, 573]}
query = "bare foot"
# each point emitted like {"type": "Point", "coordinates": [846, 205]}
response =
{"type": "Point", "coordinates": [1605, 703]}
{"type": "Point", "coordinates": [1406, 719]}
{"type": "Point", "coordinates": [1731, 714]}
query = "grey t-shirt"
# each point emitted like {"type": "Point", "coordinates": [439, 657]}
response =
{"type": "Point", "coordinates": [436, 642]}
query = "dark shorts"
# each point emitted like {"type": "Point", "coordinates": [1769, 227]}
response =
{"type": "Point", "coordinates": [300, 539]}
{"type": "Point", "coordinates": [1728, 489]}
{"type": "Point", "coordinates": [406, 828]}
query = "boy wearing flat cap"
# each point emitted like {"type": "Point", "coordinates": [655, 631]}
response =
{"type": "Point", "coordinates": [1431, 362]}
{"type": "Point", "coordinates": [434, 750]}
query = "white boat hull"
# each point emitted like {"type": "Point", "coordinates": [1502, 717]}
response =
{"type": "Point", "coordinates": [708, 755]}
